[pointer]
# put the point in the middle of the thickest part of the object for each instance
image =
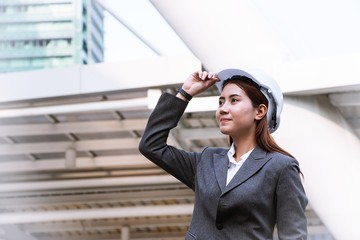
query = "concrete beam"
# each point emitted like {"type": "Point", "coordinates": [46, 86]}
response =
{"type": "Point", "coordinates": [86, 183]}
{"type": "Point", "coordinates": [86, 145]}
{"type": "Point", "coordinates": [73, 127]}
{"type": "Point", "coordinates": [82, 163]}
{"type": "Point", "coordinates": [83, 214]}
{"type": "Point", "coordinates": [96, 78]}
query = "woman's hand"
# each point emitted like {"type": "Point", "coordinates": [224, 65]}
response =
{"type": "Point", "coordinates": [199, 81]}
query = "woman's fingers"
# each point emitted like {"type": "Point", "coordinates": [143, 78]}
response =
{"type": "Point", "coordinates": [204, 75]}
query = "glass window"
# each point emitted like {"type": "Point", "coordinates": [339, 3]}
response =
{"type": "Point", "coordinates": [38, 27]}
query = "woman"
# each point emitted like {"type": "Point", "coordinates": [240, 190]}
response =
{"type": "Point", "coordinates": [242, 192]}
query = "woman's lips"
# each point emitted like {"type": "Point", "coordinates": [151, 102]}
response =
{"type": "Point", "coordinates": [224, 120]}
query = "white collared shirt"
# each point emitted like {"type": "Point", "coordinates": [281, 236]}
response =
{"type": "Point", "coordinates": [234, 166]}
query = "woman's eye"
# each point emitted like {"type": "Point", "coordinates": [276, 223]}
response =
{"type": "Point", "coordinates": [234, 100]}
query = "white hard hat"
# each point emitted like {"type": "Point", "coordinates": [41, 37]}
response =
{"type": "Point", "coordinates": [267, 86]}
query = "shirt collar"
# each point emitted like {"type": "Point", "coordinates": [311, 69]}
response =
{"type": "Point", "coordinates": [231, 153]}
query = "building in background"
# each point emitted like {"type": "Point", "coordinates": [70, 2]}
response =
{"type": "Point", "coordinates": [37, 34]}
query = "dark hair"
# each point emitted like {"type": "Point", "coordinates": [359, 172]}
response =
{"type": "Point", "coordinates": [262, 133]}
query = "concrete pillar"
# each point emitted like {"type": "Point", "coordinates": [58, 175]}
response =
{"type": "Point", "coordinates": [125, 233]}
{"type": "Point", "coordinates": [328, 152]}
{"type": "Point", "coordinates": [70, 158]}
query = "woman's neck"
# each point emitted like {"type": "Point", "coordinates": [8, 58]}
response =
{"type": "Point", "coordinates": [243, 145]}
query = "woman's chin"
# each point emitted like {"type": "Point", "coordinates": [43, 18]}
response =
{"type": "Point", "coordinates": [224, 131]}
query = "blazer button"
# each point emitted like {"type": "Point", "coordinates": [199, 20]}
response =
{"type": "Point", "coordinates": [219, 226]}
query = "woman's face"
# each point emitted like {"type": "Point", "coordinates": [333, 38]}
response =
{"type": "Point", "coordinates": [235, 115]}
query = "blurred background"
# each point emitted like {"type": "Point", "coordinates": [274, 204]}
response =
{"type": "Point", "coordinates": [79, 79]}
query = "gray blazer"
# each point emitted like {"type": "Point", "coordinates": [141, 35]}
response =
{"type": "Point", "coordinates": [265, 192]}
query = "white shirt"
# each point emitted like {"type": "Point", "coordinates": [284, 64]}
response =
{"type": "Point", "coordinates": [234, 166]}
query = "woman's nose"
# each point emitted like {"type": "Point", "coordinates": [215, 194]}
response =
{"type": "Point", "coordinates": [224, 109]}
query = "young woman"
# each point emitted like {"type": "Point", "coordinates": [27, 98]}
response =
{"type": "Point", "coordinates": [242, 192]}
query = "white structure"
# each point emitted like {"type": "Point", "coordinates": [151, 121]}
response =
{"type": "Point", "coordinates": [69, 166]}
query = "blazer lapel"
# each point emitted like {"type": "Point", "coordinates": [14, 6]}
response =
{"type": "Point", "coordinates": [221, 162]}
{"type": "Point", "coordinates": [256, 160]}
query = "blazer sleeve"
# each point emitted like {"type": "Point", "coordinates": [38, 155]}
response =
{"type": "Point", "coordinates": [153, 145]}
{"type": "Point", "coordinates": [290, 204]}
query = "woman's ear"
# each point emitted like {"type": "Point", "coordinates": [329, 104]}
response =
{"type": "Point", "coordinates": [261, 111]}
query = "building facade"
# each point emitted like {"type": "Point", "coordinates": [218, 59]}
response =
{"type": "Point", "coordinates": [37, 34]}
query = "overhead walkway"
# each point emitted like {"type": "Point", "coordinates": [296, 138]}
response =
{"type": "Point", "coordinates": [70, 169]}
